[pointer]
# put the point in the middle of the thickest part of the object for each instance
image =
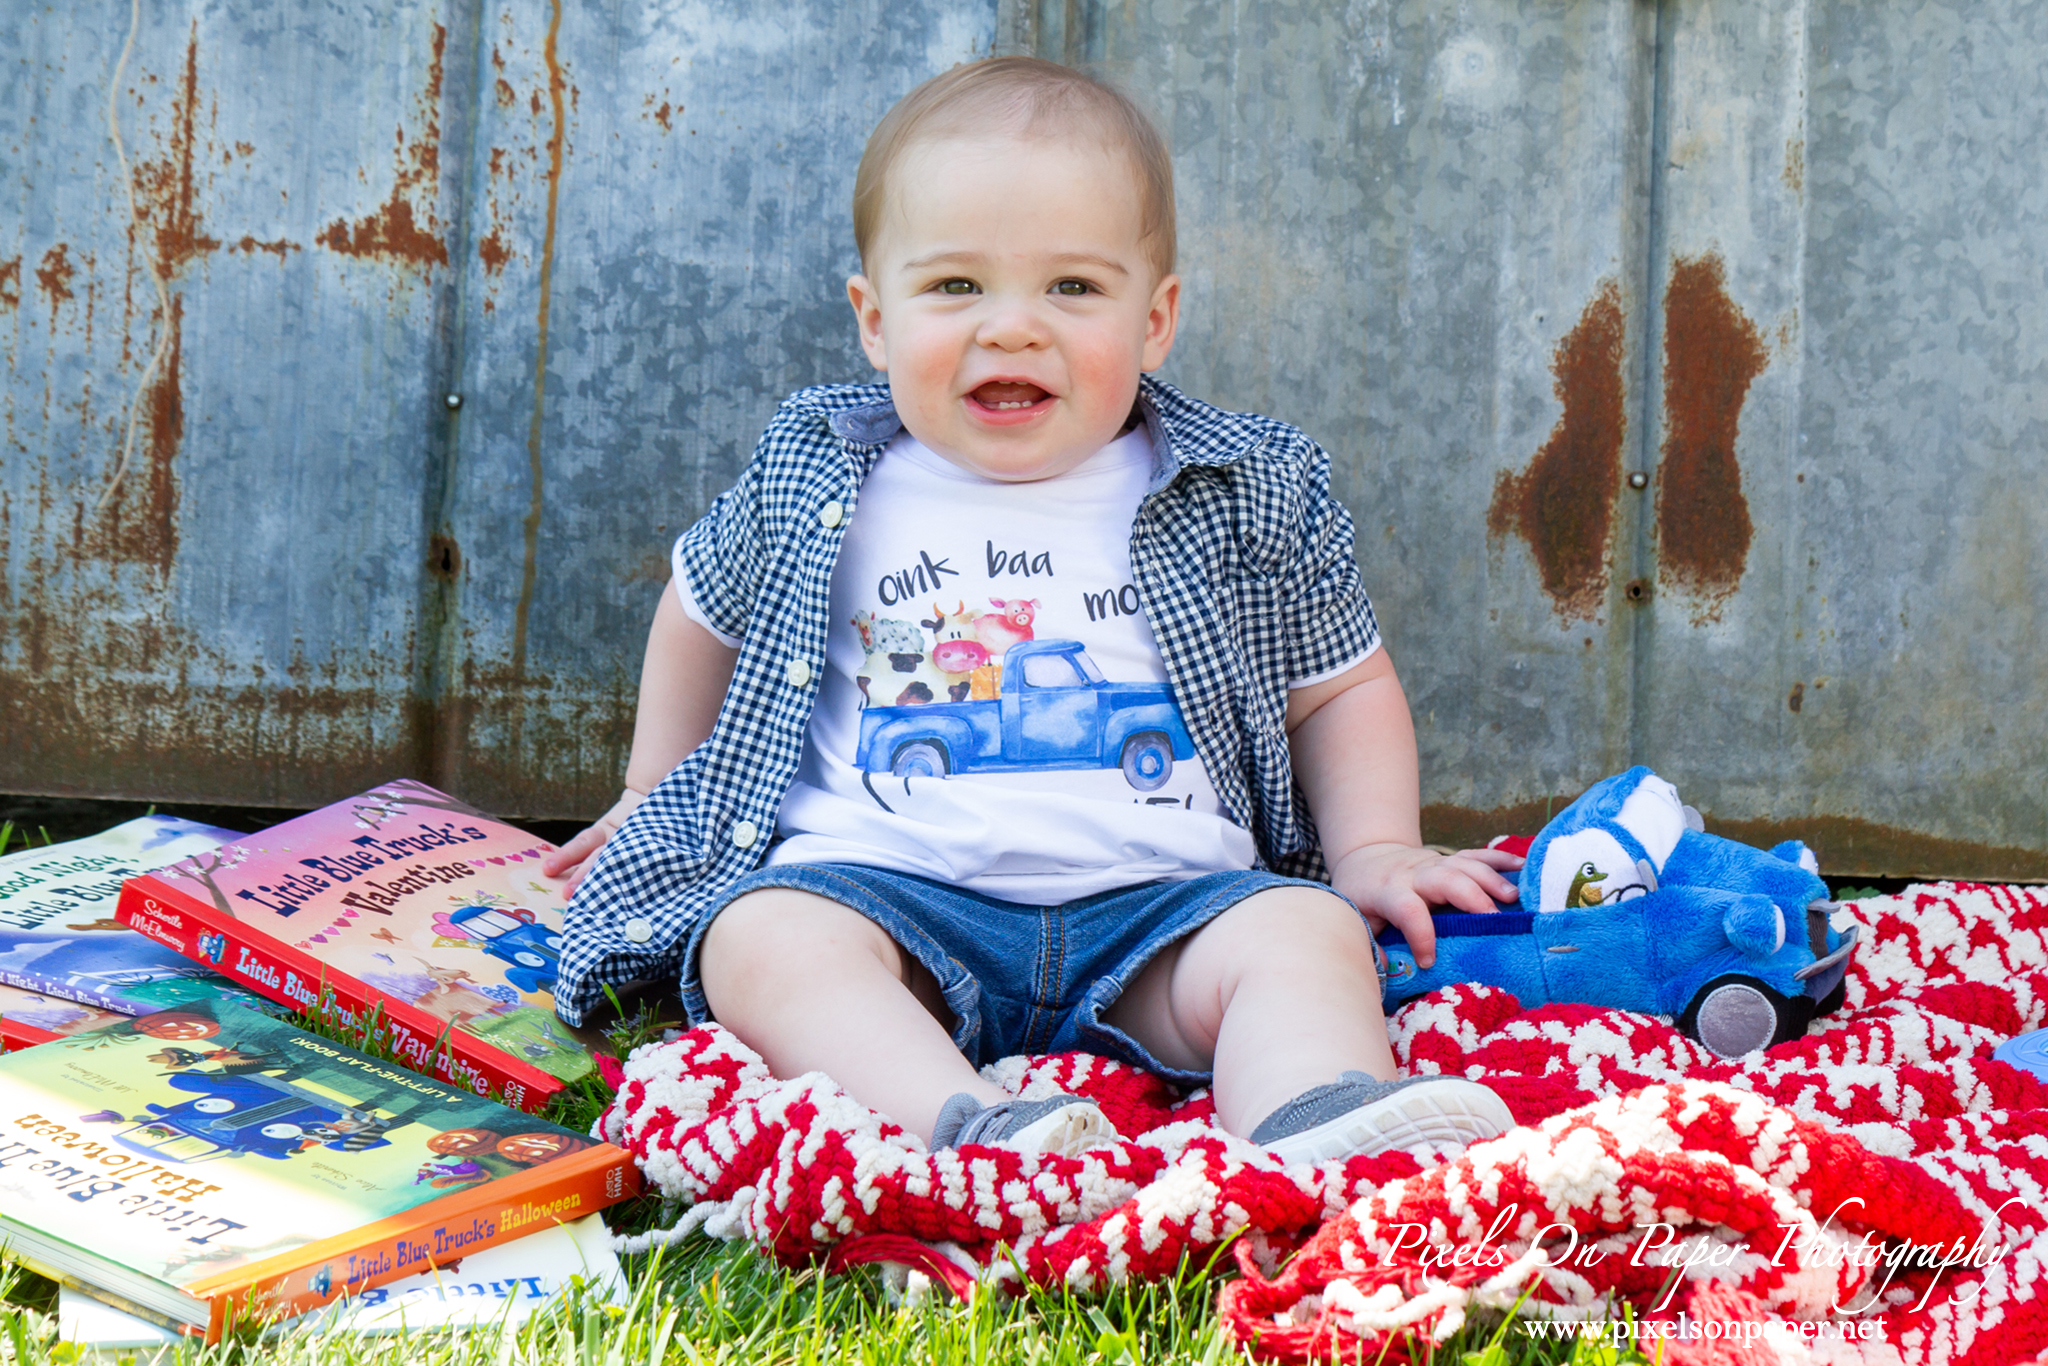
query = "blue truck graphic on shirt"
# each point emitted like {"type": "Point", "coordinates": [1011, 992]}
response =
{"type": "Point", "coordinates": [1055, 711]}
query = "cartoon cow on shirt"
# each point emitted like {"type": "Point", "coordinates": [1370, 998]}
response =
{"type": "Point", "coordinates": [956, 651]}
{"type": "Point", "coordinates": [896, 672]}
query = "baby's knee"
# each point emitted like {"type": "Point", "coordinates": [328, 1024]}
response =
{"type": "Point", "coordinates": [1302, 920]}
{"type": "Point", "coordinates": [771, 934]}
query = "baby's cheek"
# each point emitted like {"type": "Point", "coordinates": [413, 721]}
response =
{"type": "Point", "coordinates": [1105, 379]}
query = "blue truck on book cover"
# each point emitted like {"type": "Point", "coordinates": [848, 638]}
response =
{"type": "Point", "coordinates": [1055, 711]}
{"type": "Point", "coordinates": [530, 951]}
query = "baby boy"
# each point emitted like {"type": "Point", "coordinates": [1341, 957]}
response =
{"type": "Point", "coordinates": [1017, 705]}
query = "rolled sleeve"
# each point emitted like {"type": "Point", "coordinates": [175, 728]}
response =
{"type": "Point", "coordinates": [718, 561]}
{"type": "Point", "coordinates": [1331, 623]}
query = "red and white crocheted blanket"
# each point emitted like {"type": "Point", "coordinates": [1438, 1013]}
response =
{"type": "Point", "coordinates": [1882, 1178]}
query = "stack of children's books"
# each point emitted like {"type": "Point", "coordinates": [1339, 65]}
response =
{"type": "Point", "coordinates": [210, 1166]}
{"type": "Point", "coordinates": [177, 1169]}
{"type": "Point", "coordinates": [65, 963]}
{"type": "Point", "coordinates": [402, 904]}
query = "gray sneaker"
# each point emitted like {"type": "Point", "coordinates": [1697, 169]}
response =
{"type": "Point", "coordinates": [1063, 1126]}
{"type": "Point", "coordinates": [1357, 1116]}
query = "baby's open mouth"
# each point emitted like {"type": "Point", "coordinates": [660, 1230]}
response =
{"type": "Point", "coordinates": [1004, 395]}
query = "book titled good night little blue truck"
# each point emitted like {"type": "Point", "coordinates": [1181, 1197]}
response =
{"type": "Point", "coordinates": [1055, 711]}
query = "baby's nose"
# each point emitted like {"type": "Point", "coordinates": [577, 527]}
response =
{"type": "Point", "coordinates": [1012, 326]}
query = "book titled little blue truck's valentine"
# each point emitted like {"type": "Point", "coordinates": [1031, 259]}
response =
{"type": "Point", "coordinates": [402, 901]}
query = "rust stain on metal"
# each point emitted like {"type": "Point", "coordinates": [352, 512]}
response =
{"type": "Point", "coordinates": [664, 114]}
{"type": "Point", "coordinates": [10, 282]}
{"type": "Point", "coordinates": [54, 275]}
{"type": "Point", "coordinates": [1847, 846]}
{"type": "Point", "coordinates": [504, 92]}
{"type": "Point", "coordinates": [139, 524]}
{"type": "Point", "coordinates": [1563, 503]}
{"type": "Point", "coordinates": [530, 569]}
{"type": "Point", "coordinates": [444, 556]}
{"type": "Point", "coordinates": [1464, 827]}
{"type": "Point", "coordinates": [1853, 845]}
{"type": "Point", "coordinates": [138, 521]}
{"type": "Point", "coordinates": [249, 246]}
{"type": "Point", "coordinates": [397, 231]}
{"type": "Point", "coordinates": [103, 711]}
{"type": "Point", "coordinates": [492, 250]}
{"type": "Point", "coordinates": [1796, 698]}
{"type": "Point", "coordinates": [1712, 352]}
{"type": "Point", "coordinates": [1794, 173]}
{"type": "Point", "coordinates": [165, 189]}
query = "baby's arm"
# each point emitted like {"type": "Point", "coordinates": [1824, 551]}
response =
{"type": "Point", "coordinates": [1353, 747]}
{"type": "Point", "coordinates": [682, 685]}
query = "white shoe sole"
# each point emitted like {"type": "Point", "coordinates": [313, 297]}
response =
{"type": "Point", "coordinates": [1067, 1132]}
{"type": "Point", "coordinates": [1446, 1113]}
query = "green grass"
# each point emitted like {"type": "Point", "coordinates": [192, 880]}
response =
{"type": "Point", "coordinates": [11, 836]}
{"type": "Point", "coordinates": [712, 1303]}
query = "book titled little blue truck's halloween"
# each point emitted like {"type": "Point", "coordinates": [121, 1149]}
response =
{"type": "Point", "coordinates": [212, 1157]}
{"type": "Point", "coordinates": [404, 901]}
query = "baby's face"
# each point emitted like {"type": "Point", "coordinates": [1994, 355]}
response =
{"type": "Point", "coordinates": [1012, 303]}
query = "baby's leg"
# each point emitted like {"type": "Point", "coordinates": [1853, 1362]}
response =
{"type": "Point", "coordinates": [1276, 995]}
{"type": "Point", "coordinates": [814, 987]}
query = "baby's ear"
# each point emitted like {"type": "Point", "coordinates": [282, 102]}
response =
{"type": "Point", "coordinates": [867, 313]}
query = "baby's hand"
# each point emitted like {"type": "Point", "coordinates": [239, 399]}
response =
{"type": "Point", "coordinates": [575, 857]}
{"type": "Point", "coordinates": [1398, 883]}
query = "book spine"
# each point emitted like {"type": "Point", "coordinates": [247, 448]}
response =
{"type": "Point", "coordinates": [433, 1235]}
{"type": "Point", "coordinates": [43, 986]}
{"type": "Point", "coordinates": [279, 973]}
{"type": "Point", "coordinates": [14, 1034]}
{"type": "Point", "coordinates": [73, 1284]}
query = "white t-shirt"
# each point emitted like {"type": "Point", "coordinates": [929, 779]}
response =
{"type": "Point", "coordinates": [994, 712]}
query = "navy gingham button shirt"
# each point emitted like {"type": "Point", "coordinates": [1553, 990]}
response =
{"type": "Point", "coordinates": [1241, 555]}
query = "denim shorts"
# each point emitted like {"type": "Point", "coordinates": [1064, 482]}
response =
{"type": "Point", "coordinates": [1018, 978]}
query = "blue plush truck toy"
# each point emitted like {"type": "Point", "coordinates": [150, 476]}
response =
{"type": "Point", "coordinates": [1627, 902]}
{"type": "Point", "coordinates": [1055, 711]}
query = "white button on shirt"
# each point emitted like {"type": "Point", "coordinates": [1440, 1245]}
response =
{"type": "Point", "coordinates": [744, 834]}
{"type": "Point", "coordinates": [832, 513]}
{"type": "Point", "coordinates": [799, 673]}
{"type": "Point", "coordinates": [639, 930]}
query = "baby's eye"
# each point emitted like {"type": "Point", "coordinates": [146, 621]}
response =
{"type": "Point", "coordinates": [1073, 289]}
{"type": "Point", "coordinates": [957, 287]}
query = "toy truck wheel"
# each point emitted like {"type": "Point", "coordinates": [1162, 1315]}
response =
{"type": "Point", "coordinates": [1734, 1015]}
{"type": "Point", "coordinates": [1148, 760]}
{"type": "Point", "coordinates": [920, 759]}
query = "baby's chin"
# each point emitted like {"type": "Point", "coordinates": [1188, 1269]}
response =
{"type": "Point", "coordinates": [1011, 454]}
{"type": "Point", "coordinates": [1011, 462]}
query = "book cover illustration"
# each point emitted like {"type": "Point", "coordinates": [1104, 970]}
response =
{"type": "Point", "coordinates": [193, 1142]}
{"type": "Point", "coordinates": [58, 935]}
{"type": "Point", "coordinates": [418, 895]}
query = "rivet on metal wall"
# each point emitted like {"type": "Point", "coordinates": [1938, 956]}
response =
{"type": "Point", "coordinates": [1637, 479]}
{"type": "Point", "coordinates": [453, 401]}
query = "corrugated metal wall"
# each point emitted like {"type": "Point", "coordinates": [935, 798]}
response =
{"type": "Point", "coordinates": [1786, 262]}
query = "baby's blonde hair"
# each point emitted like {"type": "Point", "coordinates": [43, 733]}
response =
{"type": "Point", "coordinates": [1027, 95]}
